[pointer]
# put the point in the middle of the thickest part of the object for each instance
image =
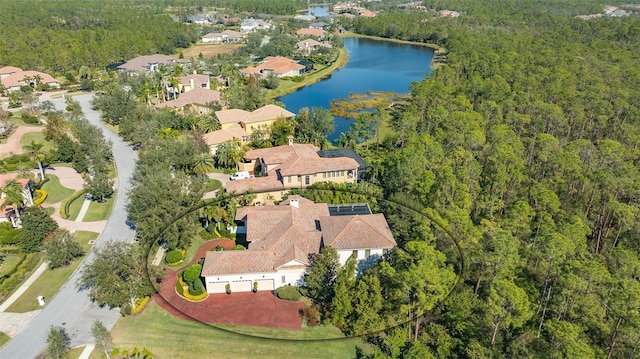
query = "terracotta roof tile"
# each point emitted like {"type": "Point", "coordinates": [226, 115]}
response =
{"type": "Point", "coordinates": [311, 32]}
{"type": "Point", "coordinates": [199, 95]}
{"type": "Point", "coordinates": [16, 79]}
{"type": "Point", "coordinates": [235, 131]}
{"type": "Point", "coordinates": [355, 232]}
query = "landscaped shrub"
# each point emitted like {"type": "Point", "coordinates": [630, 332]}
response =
{"type": "Point", "coordinates": [66, 204]}
{"type": "Point", "coordinates": [218, 248]}
{"type": "Point", "coordinates": [173, 257]}
{"type": "Point", "coordinates": [192, 273]}
{"type": "Point", "coordinates": [225, 233]}
{"type": "Point", "coordinates": [140, 303]}
{"type": "Point", "coordinates": [196, 287]}
{"type": "Point", "coordinates": [288, 293]}
{"type": "Point", "coordinates": [41, 195]}
{"type": "Point", "coordinates": [8, 234]}
{"type": "Point", "coordinates": [311, 315]}
{"type": "Point", "coordinates": [238, 247]}
{"type": "Point", "coordinates": [32, 120]}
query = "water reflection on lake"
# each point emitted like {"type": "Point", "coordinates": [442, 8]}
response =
{"type": "Point", "coordinates": [373, 65]}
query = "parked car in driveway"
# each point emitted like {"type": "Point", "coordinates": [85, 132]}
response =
{"type": "Point", "coordinates": [240, 175]}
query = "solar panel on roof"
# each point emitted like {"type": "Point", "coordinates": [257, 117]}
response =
{"type": "Point", "coordinates": [349, 209]}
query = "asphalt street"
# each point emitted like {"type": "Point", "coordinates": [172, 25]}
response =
{"type": "Point", "coordinates": [70, 307]}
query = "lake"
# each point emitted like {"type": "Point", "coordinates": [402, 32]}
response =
{"type": "Point", "coordinates": [318, 10]}
{"type": "Point", "coordinates": [374, 65]}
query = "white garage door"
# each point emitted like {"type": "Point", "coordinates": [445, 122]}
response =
{"type": "Point", "coordinates": [265, 284]}
{"type": "Point", "coordinates": [216, 287]}
{"type": "Point", "coordinates": [241, 286]}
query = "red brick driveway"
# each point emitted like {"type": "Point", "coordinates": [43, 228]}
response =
{"type": "Point", "coordinates": [261, 309]}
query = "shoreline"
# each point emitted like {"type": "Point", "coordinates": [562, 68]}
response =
{"type": "Point", "coordinates": [343, 59]}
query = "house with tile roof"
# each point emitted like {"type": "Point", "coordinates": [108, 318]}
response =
{"type": "Point", "coordinates": [14, 78]}
{"type": "Point", "coordinates": [292, 166]}
{"type": "Point", "coordinates": [282, 238]}
{"type": "Point", "coordinates": [251, 24]}
{"type": "Point", "coordinates": [240, 124]}
{"type": "Point", "coordinates": [8, 211]}
{"type": "Point", "coordinates": [308, 46]}
{"type": "Point", "coordinates": [8, 70]}
{"type": "Point", "coordinates": [193, 81]}
{"type": "Point", "coordinates": [278, 65]}
{"type": "Point", "coordinates": [148, 63]}
{"type": "Point", "coordinates": [196, 100]}
{"type": "Point", "coordinates": [225, 36]}
{"type": "Point", "coordinates": [319, 33]}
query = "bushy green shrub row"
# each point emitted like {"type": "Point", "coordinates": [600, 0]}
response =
{"type": "Point", "coordinates": [66, 204]}
{"type": "Point", "coordinates": [192, 273]}
{"type": "Point", "coordinates": [15, 277]}
{"type": "Point", "coordinates": [196, 288]}
{"type": "Point", "coordinates": [173, 257]}
{"type": "Point", "coordinates": [288, 293]}
{"type": "Point", "coordinates": [8, 234]}
{"type": "Point", "coordinates": [225, 233]}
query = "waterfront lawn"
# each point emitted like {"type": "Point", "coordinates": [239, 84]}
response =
{"type": "Point", "coordinates": [55, 191]}
{"type": "Point", "coordinates": [50, 282]}
{"type": "Point", "coordinates": [169, 337]}
{"type": "Point", "coordinates": [288, 86]}
{"type": "Point", "coordinates": [98, 211]}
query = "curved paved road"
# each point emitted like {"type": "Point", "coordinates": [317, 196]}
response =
{"type": "Point", "coordinates": [71, 308]}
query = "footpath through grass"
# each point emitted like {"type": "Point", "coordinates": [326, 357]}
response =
{"type": "Point", "coordinates": [169, 337]}
{"type": "Point", "coordinates": [50, 282]}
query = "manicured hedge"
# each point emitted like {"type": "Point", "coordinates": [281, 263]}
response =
{"type": "Point", "coordinates": [12, 280]}
{"type": "Point", "coordinates": [140, 304]}
{"type": "Point", "coordinates": [192, 273]}
{"type": "Point", "coordinates": [288, 293]}
{"type": "Point", "coordinates": [173, 257]}
{"type": "Point", "coordinates": [41, 196]}
{"type": "Point", "coordinates": [66, 204]}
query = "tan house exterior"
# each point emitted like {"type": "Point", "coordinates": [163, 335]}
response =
{"type": "Point", "coordinates": [311, 32]}
{"type": "Point", "coordinates": [14, 78]}
{"type": "Point", "coordinates": [276, 65]}
{"type": "Point", "coordinates": [282, 237]}
{"type": "Point", "coordinates": [196, 100]}
{"type": "Point", "coordinates": [240, 124]}
{"type": "Point", "coordinates": [193, 81]}
{"type": "Point", "coordinates": [148, 63]}
{"type": "Point", "coordinates": [291, 166]}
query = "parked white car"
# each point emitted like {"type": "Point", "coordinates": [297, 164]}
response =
{"type": "Point", "coordinates": [240, 175]}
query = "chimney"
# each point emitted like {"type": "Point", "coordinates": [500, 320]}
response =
{"type": "Point", "coordinates": [290, 138]}
{"type": "Point", "coordinates": [294, 203]}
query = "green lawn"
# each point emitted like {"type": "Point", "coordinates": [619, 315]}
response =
{"type": "Point", "coordinates": [169, 337]}
{"type": "Point", "coordinates": [3, 339]}
{"type": "Point", "coordinates": [191, 251]}
{"type": "Point", "coordinates": [74, 208]}
{"type": "Point", "coordinates": [98, 211]}
{"type": "Point", "coordinates": [56, 192]}
{"type": "Point", "coordinates": [10, 262]}
{"type": "Point", "coordinates": [212, 185]}
{"type": "Point", "coordinates": [50, 281]}
{"type": "Point", "coordinates": [37, 137]}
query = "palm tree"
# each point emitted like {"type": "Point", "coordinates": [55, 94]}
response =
{"type": "Point", "coordinates": [35, 148]}
{"type": "Point", "coordinates": [12, 190]}
{"type": "Point", "coordinates": [208, 123]}
{"type": "Point", "coordinates": [230, 153]}
{"type": "Point", "coordinates": [203, 164]}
